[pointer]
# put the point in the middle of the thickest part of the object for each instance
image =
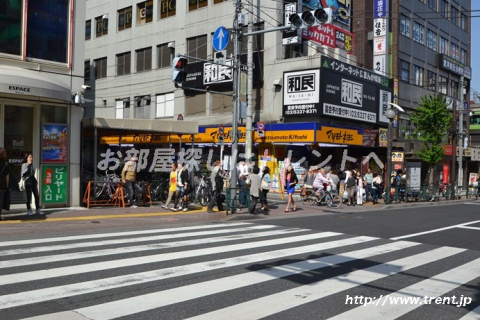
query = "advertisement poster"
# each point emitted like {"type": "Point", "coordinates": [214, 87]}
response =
{"type": "Point", "coordinates": [54, 184]}
{"type": "Point", "coordinates": [54, 143]}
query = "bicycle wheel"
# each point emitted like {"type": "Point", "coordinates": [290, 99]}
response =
{"type": "Point", "coordinates": [98, 190]}
{"type": "Point", "coordinates": [333, 200]}
{"type": "Point", "coordinates": [309, 197]}
{"type": "Point", "coordinates": [204, 197]}
{"type": "Point", "coordinates": [164, 194]}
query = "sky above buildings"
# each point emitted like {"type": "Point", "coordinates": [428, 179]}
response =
{"type": "Point", "coordinates": [475, 39]}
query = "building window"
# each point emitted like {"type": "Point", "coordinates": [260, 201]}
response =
{"type": "Point", "coordinates": [144, 59]}
{"type": "Point", "coordinates": [463, 21]}
{"type": "Point", "coordinates": [167, 8]}
{"type": "Point", "coordinates": [197, 47]}
{"type": "Point", "coordinates": [101, 26]}
{"type": "Point", "coordinates": [404, 70]}
{"type": "Point", "coordinates": [418, 32]}
{"type": "Point", "coordinates": [455, 52]}
{"type": "Point", "coordinates": [47, 29]}
{"type": "Point", "coordinates": [432, 40]}
{"type": "Point", "coordinates": [88, 29]}
{"type": "Point", "coordinates": [454, 15]}
{"type": "Point", "coordinates": [123, 63]}
{"type": "Point", "coordinates": [453, 90]}
{"type": "Point", "coordinates": [122, 108]}
{"type": "Point", "coordinates": [142, 107]}
{"type": "Point", "coordinates": [86, 70]}
{"type": "Point", "coordinates": [101, 68]}
{"type": "Point", "coordinates": [442, 85]}
{"type": "Point", "coordinates": [163, 56]}
{"type": "Point", "coordinates": [405, 26]}
{"type": "Point", "coordinates": [463, 56]}
{"type": "Point", "coordinates": [11, 19]}
{"type": "Point", "coordinates": [165, 105]}
{"type": "Point", "coordinates": [431, 81]}
{"type": "Point", "coordinates": [144, 12]}
{"type": "Point", "coordinates": [432, 4]}
{"type": "Point", "coordinates": [418, 80]}
{"type": "Point", "coordinates": [444, 8]}
{"type": "Point", "coordinates": [443, 45]}
{"type": "Point", "coordinates": [195, 4]}
{"type": "Point", "coordinates": [124, 18]}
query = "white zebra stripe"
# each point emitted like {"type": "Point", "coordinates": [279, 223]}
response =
{"type": "Point", "coordinates": [472, 315]}
{"type": "Point", "coordinates": [151, 301]}
{"type": "Point", "coordinates": [117, 234]}
{"type": "Point", "coordinates": [130, 249]}
{"type": "Point", "coordinates": [41, 295]}
{"type": "Point", "coordinates": [125, 240]}
{"type": "Point", "coordinates": [282, 301]}
{"type": "Point", "coordinates": [435, 286]}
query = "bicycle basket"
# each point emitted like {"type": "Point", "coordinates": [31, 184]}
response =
{"type": "Point", "coordinates": [329, 188]}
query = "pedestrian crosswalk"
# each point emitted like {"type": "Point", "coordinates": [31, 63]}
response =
{"type": "Point", "coordinates": [232, 271]}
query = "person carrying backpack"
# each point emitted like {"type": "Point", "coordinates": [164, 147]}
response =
{"type": "Point", "coordinates": [217, 184]}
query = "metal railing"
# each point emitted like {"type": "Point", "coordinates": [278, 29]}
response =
{"type": "Point", "coordinates": [232, 199]}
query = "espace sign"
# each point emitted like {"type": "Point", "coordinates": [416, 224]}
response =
{"type": "Point", "coordinates": [353, 93]}
{"type": "Point", "coordinates": [301, 90]}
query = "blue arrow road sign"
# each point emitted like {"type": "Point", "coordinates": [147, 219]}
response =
{"type": "Point", "coordinates": [220, 38]}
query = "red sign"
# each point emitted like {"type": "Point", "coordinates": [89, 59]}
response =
{"type": "Point", "coordinates": [180, 117]}
{"type": "Point", "coordinates": [331, 36]}
{"type": "Point", "coordinates": [261, 126]}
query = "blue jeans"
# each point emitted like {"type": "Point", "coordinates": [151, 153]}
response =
{"type": "Point", "coordinates": [242, 197]}
{"type": "Point", "coordinates": [369, 191]}
{"type": "Point", "coordinates": [375, 192]}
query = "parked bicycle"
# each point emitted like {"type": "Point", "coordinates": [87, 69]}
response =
{"type": "Point", "coordinates": [106, 189]}
{"type": "Point", "coordinates": [159, 190]}
{"type": "Point", "coordinates": [472, 192]}
{"type": "Point", "coordinates": [332, 200]}
{"type": "Point", "coordinates": [203, 192]}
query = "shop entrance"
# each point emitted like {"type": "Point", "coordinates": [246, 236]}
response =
{"type": "Point", "coordinates": [18, 139]}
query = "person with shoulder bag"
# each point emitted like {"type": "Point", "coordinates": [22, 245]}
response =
{"type": "Point", "coordinates": [182, 185]}
{"type": "Point", "coordinates": [265, 185]}
{"type": "Point", "coordinates": [377, 186]}
{"type": "Point", "coordinates": [31, 184]}
{"type": "Point", "coordinates": [254, 189]}
{"type": "Point", "coordinates": [4, 179]}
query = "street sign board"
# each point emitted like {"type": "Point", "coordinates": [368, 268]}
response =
{"type": "Point", "coordinates": [220, 57]}
{"type": "Point", "coordinates": [221, 130]}
{"type": "Point", "coordinates": [180, 117]}
{"type": "Point", "coordinates": [220, 38]}
{"type": "Point", "coordinates": [261, 126]}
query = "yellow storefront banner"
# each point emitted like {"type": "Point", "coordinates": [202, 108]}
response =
{"type": "Point", "coordinates": [211, 136]}
{"type": "Point", "coordinates": [339, 136]}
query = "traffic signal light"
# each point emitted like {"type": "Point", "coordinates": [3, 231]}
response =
{"type": "Point", "coordinates": [311, 18]}
{"type": "Point", "coordinates": [178, 69]}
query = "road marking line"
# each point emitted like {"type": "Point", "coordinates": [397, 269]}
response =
{"type": "Point", "coordinates": [74, 289]}
{"type": "Point", "coordinates": [135, 261]}
{"type": "Point", "coordinates": [435, 230]}
{"type": "Point", "coordinates": [136, 304]}
{"type": "Point", "coordinates": [118, 234]}
{"type": "Point", "coordinates": [288, 299]}
{"type": "Point", "coordinates": [472, 315]}
{"type": "Point", "coordinates": [472, 228]}
{"type": "Point", "coordinates": [106, 252]}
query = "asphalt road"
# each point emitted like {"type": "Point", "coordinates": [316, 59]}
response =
{"type": "Point", "coordinates": [357, 263]}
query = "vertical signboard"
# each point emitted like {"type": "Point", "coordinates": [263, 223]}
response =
{"type": "Point", "coordinates": [380, 37]}
{"type": "Point", "coordinates": [54, 143]}
{"type": "Point", "coordinates": [54, 184]}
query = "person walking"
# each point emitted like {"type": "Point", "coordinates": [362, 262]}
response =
{"type": "Point", "coordinates": [254, 189]}
{"type": "Point", "coordinates": [368, 177]}
{"type": "Point", "coordinates": [216, 179]}
{"type": "Point", "coordinates": [31, 184]}
{"type": "Point", "coordinates": [291, 181]}
{"type": "Point", "coordinates": [4, 178]}
{"type": "Point", "coordinates": [182, 184]}
{"type": "Point", "coordinates": [335, 181]}
{"type": "Point", "coordinates": [377, 184]}
{"type": "Point", "coordinates": [242, 170]}
{"type": "Point", "coordinates": [265, 187]}
{"type": "Point", "coordinates": [173, 185]}
{"type": "Point", "coordinates": [129, 176]}
{"type": "Point", "coordinates": [350, 184]}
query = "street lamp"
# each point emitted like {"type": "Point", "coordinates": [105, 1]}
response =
{"type": "Point", "coordinates": [390, 114]}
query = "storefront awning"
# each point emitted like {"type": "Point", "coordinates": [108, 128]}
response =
{"type": "Point", "coordinates": [143, 125]}
{"type": "Point", "coordinates": [32, 83]}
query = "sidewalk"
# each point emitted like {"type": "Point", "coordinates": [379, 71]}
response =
{"type": "Point", "coordinates": [18, 213]}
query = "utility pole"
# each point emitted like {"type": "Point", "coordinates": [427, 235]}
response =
{"type": "Point", "coordinates": [237, 38]}
{"type": "Point", "coordinates": [248, 142]}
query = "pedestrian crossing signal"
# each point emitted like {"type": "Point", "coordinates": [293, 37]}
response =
{"type": "Point", "coordinates": [178, 69]}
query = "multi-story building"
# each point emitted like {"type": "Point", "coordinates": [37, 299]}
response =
{"type": "Point", "coordinates": [41, 67]}
{"type": "Point", "coordinates": [325, 88]}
